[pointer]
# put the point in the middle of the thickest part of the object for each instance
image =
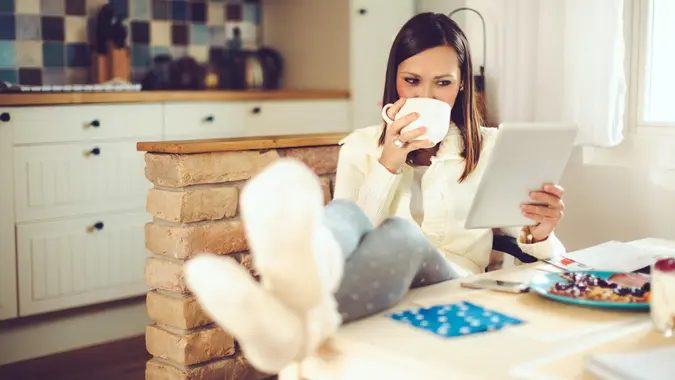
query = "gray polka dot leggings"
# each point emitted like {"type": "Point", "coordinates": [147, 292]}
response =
{"type": "Point", "coordinates": [382, 263]}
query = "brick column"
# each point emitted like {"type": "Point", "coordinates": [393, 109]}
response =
{"type": "Point", "coordinates": [194, 202]}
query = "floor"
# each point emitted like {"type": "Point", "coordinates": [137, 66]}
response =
{"type": "Point", "coordinates": [120, 360]}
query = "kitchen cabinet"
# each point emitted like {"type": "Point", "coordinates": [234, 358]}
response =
{"type": "Point", "coordinates": [72, 200]}
{"type": "Point", "coordinates": [373, 27]}
{"type": "Point", "coordinates": [8, 289]}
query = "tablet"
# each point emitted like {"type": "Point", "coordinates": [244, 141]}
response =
{"type": "Point", "coordinates": [524, 158]}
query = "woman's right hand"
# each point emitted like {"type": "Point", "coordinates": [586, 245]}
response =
{"type": "Point", "coordinates": [393, 157]}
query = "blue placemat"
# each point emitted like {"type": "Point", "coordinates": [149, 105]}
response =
{"type": "Point", "coordinates": [462, 318]}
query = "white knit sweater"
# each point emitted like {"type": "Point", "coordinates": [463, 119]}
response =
{"type": "Point", "coordinates": [361, 178]}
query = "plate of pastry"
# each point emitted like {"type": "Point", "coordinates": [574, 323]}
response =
{"type": "Point", "coordinates": [595, 288]}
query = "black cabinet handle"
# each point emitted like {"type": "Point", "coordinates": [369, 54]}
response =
{"type": "Point", "coordinates": [4, 117]}
{"type": "Point", "coordinates": [209, 119]}
{"type": "Point", "coordinates": [95, 151]}
{"type": "Point", "coordinates": [256, 110]}
{"type": "Point", "coordinates": [98, 226]}
{"type": "Point", "coordinates": [363, 11]}
{"type": "Point", "coordinates": [95, 123]}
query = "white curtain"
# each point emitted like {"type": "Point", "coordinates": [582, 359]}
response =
{"type": "Point", "coordinates": [563, 61]}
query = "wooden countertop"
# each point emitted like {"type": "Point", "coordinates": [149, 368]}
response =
{"type": "Point", "coordinates": [35, 99]}
{"type": "Point", "coordinates": [240, 143]}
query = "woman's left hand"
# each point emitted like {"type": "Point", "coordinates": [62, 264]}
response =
{"type": "Point", "coordinates": [547, 213]}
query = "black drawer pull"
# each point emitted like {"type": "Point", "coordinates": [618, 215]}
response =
{"type": "Point", "coordinates": [209, 119]}
{"type": "Point", "coordinates": [4, 117]}
{"type": "Point", "coordinates": [98, 226]}
{"type": "Point", "coordinates": [256, 110]}
{"type": "Point", "coordinates": [95, 123]}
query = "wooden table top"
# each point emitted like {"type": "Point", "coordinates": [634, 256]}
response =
{"type": "Point", "coordinates": [60, 98]}
{"type": "Point", "coordinates": [240, 143]}
{"type": "Point", "coordinates": [553, 342]}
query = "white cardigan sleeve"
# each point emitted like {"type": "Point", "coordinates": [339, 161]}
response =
{"type": "Point", "coordinates": [548, 248]}
{"type": "Point", "coordinates": [361, 178]}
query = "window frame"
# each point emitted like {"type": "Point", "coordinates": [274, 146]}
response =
{"type": "Point", "coordinates": [640, 52]}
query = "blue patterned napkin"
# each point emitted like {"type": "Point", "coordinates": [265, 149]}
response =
{"type": "Point", "coordinates": [462, 318]}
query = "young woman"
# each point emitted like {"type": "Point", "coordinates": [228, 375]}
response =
{"type": "Point", "coordinates": [321, 267]}
{"type": "Point", "coordinates": [388, 174]}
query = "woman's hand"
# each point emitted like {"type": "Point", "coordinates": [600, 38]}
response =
{"type": "Point", "coordinates": [547, 213]}
{"type": "Point", "coordinates": [393, 157]}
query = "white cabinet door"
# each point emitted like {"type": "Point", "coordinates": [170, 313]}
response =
{"type": "Point", "coordinates": [62, 123]}
{"type": "Point", "coordinates": [63, 180]}
{"type": "Point", "coordinates": [81, 261]}
{"type": "Point", "coordinates": [187, 121]}
{"type": "Point", "coordinates": [7, 246]}
{"type": "Point", "coordinates": [294, 117]}
{"type": "Point", "coordinates": [374, 25]}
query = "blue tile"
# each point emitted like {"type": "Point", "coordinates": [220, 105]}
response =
{"type": "Point", "coordinates": [140, 55]}
{"type": "Point", "coordinates": [9, 75]}
{"type": "Point", "coordinates": [28, 28]}
{"type": "Point", "coordinates": [159, 50]}
{"type": "Point", "coordinates": [7, 27]}
{"type": "Point", "coordinates": [7, 54]}
{"type": "Point", "coordinates": [121, 7]}
{"type": "Point", "coordinates": [78, 55]}
{"type": "Point", "coordinates": [53, 54]}
{"type": "Point", "coordinates": [179, 10]}
{"type": "Point", "coordinates": [140, 9]}
{"type": "Point", "coordinates": [6, 6]}
{"type": "Point", "coordinates": [251, 13]}
{"type": "Point", "coordinates": [199, 35]}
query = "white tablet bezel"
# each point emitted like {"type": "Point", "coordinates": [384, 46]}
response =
{"type": "Point", "coordinates": [524, 157]}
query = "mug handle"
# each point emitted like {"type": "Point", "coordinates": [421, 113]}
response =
{"type": "Point", "coordinates": [384, 114]}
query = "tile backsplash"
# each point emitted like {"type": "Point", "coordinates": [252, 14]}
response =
{"type": "Point", "coordinates": [49, 41]}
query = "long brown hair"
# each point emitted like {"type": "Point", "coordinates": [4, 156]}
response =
{"type": "Point", "coordinates": [425, 31]}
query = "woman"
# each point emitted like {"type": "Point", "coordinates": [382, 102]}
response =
{"type": "Point", "coordinates": [321, 267]}
{"type": "Point", "coordinates": [382, 169]}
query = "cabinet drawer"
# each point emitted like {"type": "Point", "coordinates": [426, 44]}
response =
{"type": "Point", "coordinates": [64, 180]}
{"type": "Point", "coordinates": [64, 264]}
{"type": "Point", "coordinates": [87, 122]}
{"type": "Point", "coordinates": [204, 120]}
{"type": "Point", "coordinates": [297, 117]}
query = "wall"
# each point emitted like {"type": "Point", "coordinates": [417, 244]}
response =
{"type": "Point", "coordinates": [49, 41]}
{"type": "Point", "coordinates": [603, 202]}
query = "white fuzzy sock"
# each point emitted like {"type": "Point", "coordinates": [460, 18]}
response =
{"type": "Point", "coordinates": [300, 266]}
{"type": "Point", "coordinates": [293, 250]}
{"type": "Point", "coordinates": [268, 332]}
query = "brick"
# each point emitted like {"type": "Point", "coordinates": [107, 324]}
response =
{"type": "Point", "coordinates": [193, 204]}
{"type": "Point", "coordinates": [175, 310]}
{"type": "Point", "coordinates": [164, 274]}
{"type": "Point", "coordinates": [325, 185]}
{"type": "Point", "coordinates": [184, 241]}
{"type": "Point", "coordinates": [236, 368]}
{"type": "Point", "coordinates": [188, 347]}
{"type": "Point", "coordinates": [246, 260]}
{"type": "Point", "coordinates": [181, 170]}
{"type": "Point", "coordinates": [322, 160]}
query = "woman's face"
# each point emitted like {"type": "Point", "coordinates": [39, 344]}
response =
{"type": "Point", "coordinates": [433, 73]}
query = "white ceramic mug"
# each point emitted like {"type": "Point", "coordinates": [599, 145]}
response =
{"type": "Point", "coordinates": [662, 298]}
{"type": "Point", "coordinates": [433, 114]}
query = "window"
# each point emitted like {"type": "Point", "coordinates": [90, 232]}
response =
{"type": "Point", "coordinates": [656, 105]}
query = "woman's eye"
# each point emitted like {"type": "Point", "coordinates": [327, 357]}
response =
{"type": "Point", "coordinates": [444, 83]}
{"type": "Point", "coordinates": [412, 80]}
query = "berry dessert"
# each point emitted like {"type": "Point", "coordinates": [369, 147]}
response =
{"type": "Point", "coordinates": [586, 286]}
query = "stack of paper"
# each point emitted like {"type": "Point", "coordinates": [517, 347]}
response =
{"type": "Point", "coordinates": [615, 256]}
{"type": "Point", "coordinates": [654, 364]}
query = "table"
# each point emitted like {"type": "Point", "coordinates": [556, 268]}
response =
{"type": "Point", "coordinates": [552, 344]}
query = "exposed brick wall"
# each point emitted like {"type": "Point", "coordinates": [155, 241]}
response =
{"type": "Point", "coordinates": [194, 203]}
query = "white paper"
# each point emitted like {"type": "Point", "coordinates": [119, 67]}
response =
{"type": "Point", "coordinates": [653, 364]}
{"type": "Point", "coordinates": [615, 256]}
